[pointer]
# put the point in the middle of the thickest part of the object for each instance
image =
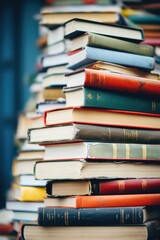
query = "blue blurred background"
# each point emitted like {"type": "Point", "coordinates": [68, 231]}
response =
{"type": "Point", "coordinates": [18, 52]}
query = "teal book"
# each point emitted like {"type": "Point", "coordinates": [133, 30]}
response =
{"type": "Point", "coordinates": [92, 97]}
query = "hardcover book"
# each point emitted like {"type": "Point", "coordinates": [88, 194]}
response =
{"type": "Point", "coordinates": [102, 187]}
{"type": "Point", "coordinates": [76, 132]}
{"type": "Point", "coordinates": [100, 41]}
{"type": "Point", "coordinates": [104, 151]}
{"type": "Point", "coordinates": [78, 26]}
{"type": "Point", "coordinates": [108, 99]}
{"type": "Point", "coordinates": [113, 81]}
{"type": "Point", "coordinates": [88, 55]}
{"type": "Point", "coordinates": [106, 201]}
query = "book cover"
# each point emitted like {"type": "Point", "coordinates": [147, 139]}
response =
{"type": "Point", "coordinates": [76, 132]}
{"type": "Point", "coordinates": [100, 41]}
{"type": "Point", "coordinates": [114, 81]}
{"type": "Point", "coordinates": [105, 201]}
{"type": "Point", "coordinates": [90, 54]}
{"type": "Point", "coordinates": [108, 99]}
{"type": "Point", "coordinates": [103, 151]}
{"type": "Point", "coordinates": [89, 216]}
{"type": "Point", "coordinates": [77, 26]}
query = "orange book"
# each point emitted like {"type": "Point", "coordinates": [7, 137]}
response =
{"type": "Point", "coordinates": [130, 200]}
{"type": "Point", "coordinates": [114, 81]}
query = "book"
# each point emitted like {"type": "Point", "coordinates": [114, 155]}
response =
{"type": "Point", "coordinates": [24, 166]}
{"type": "Point", "coordinates": [101, 117]}
{"type": "Point", "coordinates": [146, 231]}
{"type": "Point", "coordinates": [28, 180]}
{"type": "Point", "coordinates": [95, 169]}
{"type": "Point", "coordinates": [102, 187]}
{"type": "Point", "coordinates": [100, 41]}
{"type": "Point", "coordinates": [53, 93]}
{"type": "Point", "coordinates": [15, 205]}
{"type": "Point", "coordinates": [77, 26]}
{"type": "Point", "coordinates": [113, 81]}
{"type": "Point", "coordinates": [89, 216]}
{"type": "Point", "coordinates": [24, 216]}
{"type": "Point", "coordinates": [110, 99]}
{"type": "Point", "coordinates": [47, 105]}
{"type": "Point", "coordinates": [103, 151]}
{"type": "Point", "coordinates": [51, 18]}
{"type": "Point", "coordinates": [27, 193]}
{"type": "Point", "coordinates": [54, 60]}
{"type": "Point", "coordinates": [30, 154]}
{"type": "Point", "coordinates": [100, 65]}
{"type": "Point", "coordinates": [105, 201]}
{"type": "Point", "coordinates": [88, 55]}
{"type": "Point", "coordinates": [76, 132]}
{"type": "Point", "coordinates": [54, 79]}
{"type": "Point", "coordinates": [55, 35]}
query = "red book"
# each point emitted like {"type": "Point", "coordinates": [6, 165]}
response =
{"type": "Point", "coordinates": [127, 186]}
{"type": "Point", "coordinates": [114, 81]}
{"type": "Point", "coordinates": [130, 200]}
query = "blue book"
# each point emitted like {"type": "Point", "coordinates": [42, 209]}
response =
{"type": "Point", "coordinates": [89, 55]}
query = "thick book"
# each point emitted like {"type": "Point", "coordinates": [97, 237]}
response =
{"type": "Point", "coordinates": [113, 81]}
{"type": "Point", "coordinates": [77, 26]}
{"type": "Point", "coordinates": [109, 99]}
{"type": "Point", "coordinates": [95, 169]}
{"type": "Point", "coordinates": [101, 117]}
{"type": "Point", "coordinates": [148, 231]}
{"type": "Point", "coordinates": [76, 132]}
{"type": "Point", "coordinates": [105, 201]}
{"type": "Point", "coordinates": [102, 187]}
{"type": "Point", "coordinates": [99, 41]}
{"type": "Point", "coordinates": [88, 55]}
{"type": "Point", "coordinates": [103, 151]}
{"type": "Point", "coordinates": [89, 216]}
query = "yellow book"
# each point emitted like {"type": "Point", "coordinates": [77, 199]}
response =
{"type": "Point", "coordinates": [25, 193]}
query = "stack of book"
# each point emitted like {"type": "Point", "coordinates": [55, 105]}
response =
{"type": "Point", "coordinates": [146, 15]}
{"type": "Point", "coordinates": [101, 158]}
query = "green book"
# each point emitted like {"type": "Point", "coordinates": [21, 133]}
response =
{"type": "Point", "coordinates": [92, 97]}
{"type": "Point", "coordinates": [105, 42]}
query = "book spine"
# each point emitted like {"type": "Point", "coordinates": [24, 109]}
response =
{"type": "Point", "coordinates": [120, 82]}
{"type": "Point", "coordinates": [121, 58]}
{"type": "Point", "coordinates": [145, 152]}
{"type": "Point", "coordinates": [89, 217]}
{"type": "Point", "coordinates": [119, 45]}
{"type": "Point", "coordinates": [115, 100]}
{"type": "Point", "coordinates": [115, 134]}
{"type": "Point", "coordinates": [126, 200]}
{"type": "Point", "coordinates": [128, 186]}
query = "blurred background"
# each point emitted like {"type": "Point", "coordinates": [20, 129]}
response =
{"type": "Point", "coordinates": [18, 35]}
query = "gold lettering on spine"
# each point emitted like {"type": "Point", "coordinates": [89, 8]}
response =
{"type": "Point", "coordinates": [144, 152]}
{"type": "Point", "coordinates": [144, 184]}
{"type": "Point", "coordinates": [127, 151]}
{"type": "Point", "coordinates": [90, 96]}
{"type": "Point", "coordinates": [98, 97]}
{"type": "Point", "coordinates": [66, 220]}
{"type": "Point", "coordinates": [114, 150]}
{"type": "Point", "coordinates": [154, 105]}
{"type": "Point", "coordinates": [121, 185]}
